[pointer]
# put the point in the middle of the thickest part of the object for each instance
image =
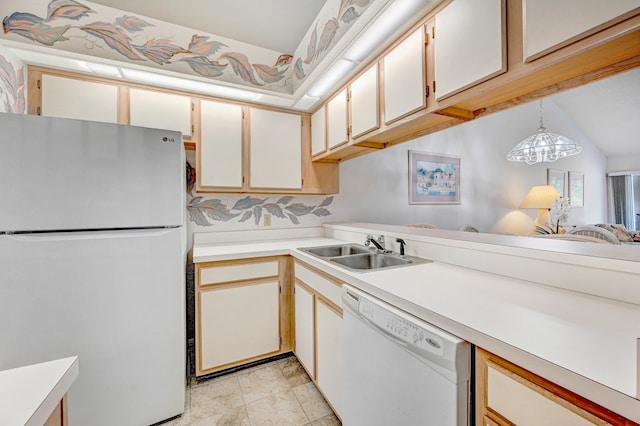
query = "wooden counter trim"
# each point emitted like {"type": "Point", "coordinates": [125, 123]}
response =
{"type": "Point", "coordinates": [585, 408]}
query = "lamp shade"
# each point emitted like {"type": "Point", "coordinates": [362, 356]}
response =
{"type": "Point", "coordinates": [540, 197]}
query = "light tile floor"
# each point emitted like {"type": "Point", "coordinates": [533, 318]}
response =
{"type": "Point", "coordinates": [276, 393]}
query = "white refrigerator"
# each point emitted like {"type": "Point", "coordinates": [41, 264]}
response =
{"type": "Point", "coordinates": [92, 259]}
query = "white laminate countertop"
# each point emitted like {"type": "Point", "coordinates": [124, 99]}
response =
{"type": "Point", "coordinates": [29, 394]}
{"type": "Point", "coordinates": [588, 344]}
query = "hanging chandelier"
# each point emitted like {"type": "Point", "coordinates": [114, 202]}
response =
{"type": "Point", "coordinates": [543, 146]}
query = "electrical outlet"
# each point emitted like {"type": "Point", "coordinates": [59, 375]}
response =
{"type": "Point", "coordinates": [266, 219]}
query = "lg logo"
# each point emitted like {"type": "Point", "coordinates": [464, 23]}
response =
{"type": "Point", "coordinates": [166, 139]}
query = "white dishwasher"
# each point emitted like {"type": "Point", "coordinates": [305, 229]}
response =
{"type": "Point", "coordinates": [400, 370]}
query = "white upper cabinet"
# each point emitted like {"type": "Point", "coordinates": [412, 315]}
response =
{"type": "Point", "coordinates": [470, 44]}
{"type": "Point", "coordinates": [552, 24]}
{"type": "Point", "coordinates": [79, 99]}
{"type": "Point", "coordinates": [318, 132]}
{"type": "Point", "coordinates": [160, 110]}
{"type": "Point", "coordinates": [404, 77]}
{"type": "Point", "coordinates": [275, 150]}
{"type": "Point", "coordinates": [364, 102]}
{"type": "Point", "coordinates": [337, 120]}
{"type": "Point", "coordinates": [220, 147]}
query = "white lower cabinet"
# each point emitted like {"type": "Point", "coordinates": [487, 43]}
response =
{"type": "Point", "coordinates": [329, 350]}
{"type": "Point", "coordinates": [305, 329]}
{"type": "Point", "coordinates": [237, 313]}
{"type": "Point", "coordinates": [506, 394]}
{"type": "Point", "coordinates": [239, 323]}
{"type": "Point", "coordinates": [318, 331]}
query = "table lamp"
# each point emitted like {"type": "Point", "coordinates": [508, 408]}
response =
{"type": "Point", "coordinates": [541, 198]}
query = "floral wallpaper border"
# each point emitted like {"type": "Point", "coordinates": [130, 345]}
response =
{"type": "Point", "coordinates": [93, 29]}
{"type": "Point", "coordinates": [12, 85]}
{"type": "Point", "coordinates": [205, 212]}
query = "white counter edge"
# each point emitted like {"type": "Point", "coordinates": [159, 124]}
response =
{"type": "Point", "coordinates": [32, 392]}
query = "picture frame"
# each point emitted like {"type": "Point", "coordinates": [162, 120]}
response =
{"type": "Point", "coordinates": [558, 179]}
{"type": "Point", "coordinates": [576, 189]}
{"type": "Point", "coordinates": [433, 178]}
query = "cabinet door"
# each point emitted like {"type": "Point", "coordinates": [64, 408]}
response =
{"type": "Point", "coordinates": [79, 99]}
{"type": "Point", "coordinates": [239, 323]}
{"type": "Point", "coordinates": [275, 150]}
{"type": "Point", "coordinates": [470, 44]}
{"type": "Point", "coordinates": [304, 325]}
{"type": "Point", "coordinates": [318, 132]}
{"type": "Point", "coordinates": [160, 110]}
{"type": "Point", "coordinates": [551, 24]}
{"type": "Point", "coordinates": [404, 77]}
{"type": "Point", "coordinates": [337, 120]}
{"type": "Point", "coordinates": [519, 402]}
{"type": "Point", "coordinates": [507, 394]}
{"type": "Point", "coordinates": [329, 349]}
{"type": "Point", "coordinates": [220, 147]}
{"type": "Point", "coordinates": [364, 102]}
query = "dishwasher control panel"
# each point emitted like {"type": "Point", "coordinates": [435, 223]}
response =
{"type": "Point", "coordinates": [401, 328]}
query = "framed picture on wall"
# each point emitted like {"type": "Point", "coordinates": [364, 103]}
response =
{"type": "Point", "coordinates": [576, 189]}
{"type": "Point", "coordinates": [433, 178]}
{"type": "Point", "coordinates": [557, 179]}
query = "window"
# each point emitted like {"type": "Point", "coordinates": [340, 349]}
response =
{"type": "Point", "coordinates": [624, 199]}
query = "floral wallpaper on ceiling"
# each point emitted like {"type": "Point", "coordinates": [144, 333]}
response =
{"type": "Point", "coordinates": [101, 32]}
{"type": "Point", "coordinates": [12, 87]}
{"type": "Point", "coordinates": [92, 29]}
{"type": "Point", "coordinates": [319, 43]}
{"type": "Point", "coordinates": [206, 211]}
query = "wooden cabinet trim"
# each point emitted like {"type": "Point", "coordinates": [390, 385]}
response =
{"type": "Point", "coordinates": [609, 51]}
{"type": "Point", "coordinates": [425, 75]}
{"type": "Point", "coordinates": [502, 70]}
{"type": "Point", "coordinates": [320, 297]}
{"type": "Point", "coordinates": [285, 312]}
{"type": "Point", "coordinates": [325, 275]}
{"type": "Point", "coordinates": [558, 394]}
{"type": "Point", "coordinates": [376, 125]}
{"type": "Point", "coordinates": [576, 37]}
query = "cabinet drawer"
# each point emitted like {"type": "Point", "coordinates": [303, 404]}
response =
{"type": "Point", "coordinates": [327, 288]}
{"type": "Point", "coordinates": [238, 272]}
{"type": "Point", "coordinates": [524, 405]}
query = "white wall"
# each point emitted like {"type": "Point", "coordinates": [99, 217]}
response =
{"type": "Point", "coordinates": [374, 187]}
{"type": "Point", "coordinates": [627, 163]}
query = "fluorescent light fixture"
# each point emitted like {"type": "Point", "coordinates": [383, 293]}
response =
{"type": "Point", "coordinates": [328, 81]}
{"type": "Point", "coordinates": [273, 100]}
{"type": "Point", "coordinates": [306, 102]}
{"type": "Point", "coordinates": [189, 85]}
{"type": "Point", "coordinates": [395, 15]}
{"type": "Point", "coordinates": [105, 70]}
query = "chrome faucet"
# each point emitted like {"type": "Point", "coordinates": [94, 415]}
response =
{"type": "Point", "coordinates": [379, 243]}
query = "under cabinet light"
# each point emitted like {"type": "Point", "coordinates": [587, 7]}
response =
{"type": "Point", "coordinates": [306, 102]}
{"type": "Point", "coordinates": [331, 78]}
{"type": "Point", "coordinates": [189, 85]}
{"type": "Point", "coordinates": [104, 70]}
{"type": "Point", "coordinates": [391, 19]}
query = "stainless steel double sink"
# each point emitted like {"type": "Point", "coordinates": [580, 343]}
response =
{"type": "Point", "coordinates": [360, 259]}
